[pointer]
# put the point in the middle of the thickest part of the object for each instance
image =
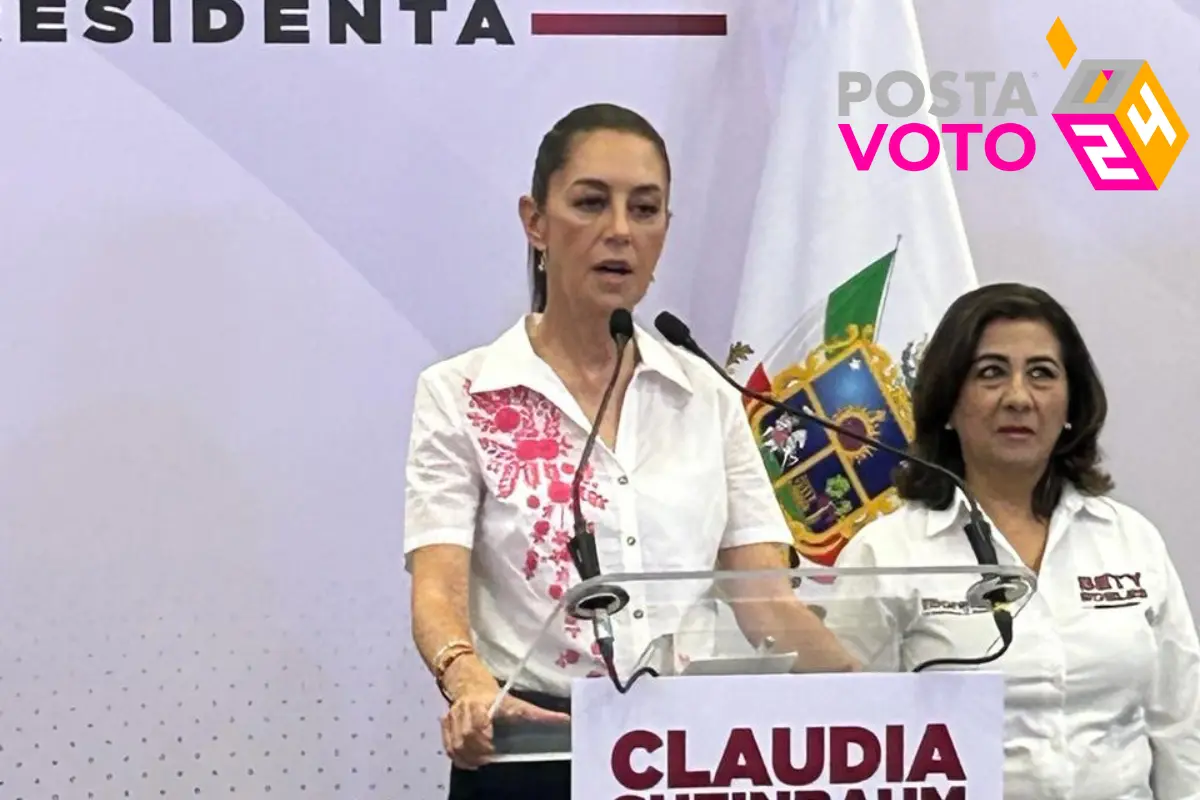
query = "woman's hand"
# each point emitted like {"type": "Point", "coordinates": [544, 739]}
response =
{"type": "Point", "coordinates": [824, 652]}
{"type": "Point", "coordinates": [467, 728]}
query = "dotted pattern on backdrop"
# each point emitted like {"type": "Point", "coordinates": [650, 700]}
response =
{"type": "Point", "coordinates": [176, 692]}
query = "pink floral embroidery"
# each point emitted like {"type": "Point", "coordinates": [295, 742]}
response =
{"type": "Point", "coordinates": [521, 436]}
{"type": "Point", "coordinates": [570, 658]}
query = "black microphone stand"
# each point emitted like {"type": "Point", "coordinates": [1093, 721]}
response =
{"type": "Point", "coordinates": [599, 603]}
{"type": "Point", "coordinates": [997, 592]}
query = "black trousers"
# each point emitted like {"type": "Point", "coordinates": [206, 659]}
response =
{"type": "Point", "coordinates": [524, 780]}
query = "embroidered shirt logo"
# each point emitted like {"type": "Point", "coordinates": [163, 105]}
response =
{"type": "Point", "coordinates": [933, 607]}
{"type": "Point", "coordinates": [1111, 590]}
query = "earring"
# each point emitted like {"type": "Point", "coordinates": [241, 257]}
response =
{"type": "Point", "coordinates": [949, 427]}
{"type": "Point", "coordinates": [1067, 426]}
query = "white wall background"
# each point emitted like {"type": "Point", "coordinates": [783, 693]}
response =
{"type": "Point", "coordinates": [223, 267]}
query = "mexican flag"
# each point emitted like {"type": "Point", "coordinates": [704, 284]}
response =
{"type": "Point", "coordinates": [857, 302]}
{"type": "Point", "coordinates": [847, 273]}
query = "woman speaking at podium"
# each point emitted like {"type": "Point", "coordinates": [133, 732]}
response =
{"type": "Point", "coordinates": [675, 481]}
{"type": "Point", "coordinates": [1103, 673]}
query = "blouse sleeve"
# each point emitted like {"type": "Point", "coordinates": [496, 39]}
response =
{"type": "Point", "coordinates": [443, 483]}
{"type": "Point", "coordinates": [1173, 711]}
{"type": "Point", "coordinates": [755, 516]}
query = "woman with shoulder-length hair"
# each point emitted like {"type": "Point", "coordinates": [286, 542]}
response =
{"type": "Point", "coordinates": [1103, 674]}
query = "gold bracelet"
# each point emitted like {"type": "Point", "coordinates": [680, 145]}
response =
{"type": "Point", "coordinates": [444, 659]}
{"type": "Point", "coordinates": [447, 654]}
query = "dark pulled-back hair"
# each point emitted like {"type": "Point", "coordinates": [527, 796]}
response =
{"type": "Point", "coordinates": [944, 367]}
{"type": "Point", "coordinates": [554, 152]}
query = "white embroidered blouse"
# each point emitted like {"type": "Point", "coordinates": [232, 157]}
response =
{"type": "Point", "coordinates": [494, 442]}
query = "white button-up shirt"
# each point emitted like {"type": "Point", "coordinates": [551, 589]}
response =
{"type": "Point", "coordinates": [1102, 680]}
{"type": "Point", "coordinates": [495, 440]}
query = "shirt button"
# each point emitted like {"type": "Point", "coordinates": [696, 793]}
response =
{"type": "Point", "coordinates": [639, 614]}
{"type": "Point", "coordinates": [631, 541]}
{"type": "Point", "coordinates": [622, 480]}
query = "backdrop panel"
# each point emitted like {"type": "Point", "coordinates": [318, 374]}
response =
{"type": "Point", "coordinates": [223, 267]}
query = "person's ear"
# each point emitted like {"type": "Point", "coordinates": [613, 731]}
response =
{"type": "Point", "coordinates": [533, 220]}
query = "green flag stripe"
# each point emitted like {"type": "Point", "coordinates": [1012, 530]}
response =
{"type": "Point", "coordinates": [859, 300]}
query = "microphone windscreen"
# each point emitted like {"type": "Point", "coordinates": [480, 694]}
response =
{"type": "Point", "coordinates": [620, 324]}
{"type": "Point", "coordinates": [673, 329]}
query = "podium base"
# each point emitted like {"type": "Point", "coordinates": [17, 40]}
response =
{"type": "Point", "coordinates": [774, 664]}
{"type": "Point", "coordinates": [516, 742]}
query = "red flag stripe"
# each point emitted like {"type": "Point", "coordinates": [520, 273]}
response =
{"type": "Point", "coordinates": [558, 24]}
{"type": "Point", "coordinates": [759, 381]}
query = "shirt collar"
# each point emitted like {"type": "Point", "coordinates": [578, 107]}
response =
{"type": "Point", "coordinates": [510, 361]}
{"type": "Point", "coordinates": [1072, 503]}
{"type": "Point", "coordinates": [658, 358]}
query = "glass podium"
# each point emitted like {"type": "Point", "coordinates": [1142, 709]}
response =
{"type": "Point", "coordinates": [634, 628]}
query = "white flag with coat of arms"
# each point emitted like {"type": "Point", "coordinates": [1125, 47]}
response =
{"type": "Point", "coordinates": [846, 275]}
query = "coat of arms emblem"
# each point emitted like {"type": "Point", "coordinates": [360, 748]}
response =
{"type": "Point", "coordinates": [830, 485]}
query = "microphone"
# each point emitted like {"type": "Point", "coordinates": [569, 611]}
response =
{"type": "Point", "coordinates": [599, 603]}
{"type": "Point", "coordinates": [582, 546]}
{"type": "Point", "coordinates": [994, 591]}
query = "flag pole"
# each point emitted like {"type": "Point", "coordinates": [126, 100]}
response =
{"type": "Point", "coordinates": [887, 286]}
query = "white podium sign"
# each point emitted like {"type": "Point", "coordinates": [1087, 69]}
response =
{"type": "Point", "coordinates": [933, 736]}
